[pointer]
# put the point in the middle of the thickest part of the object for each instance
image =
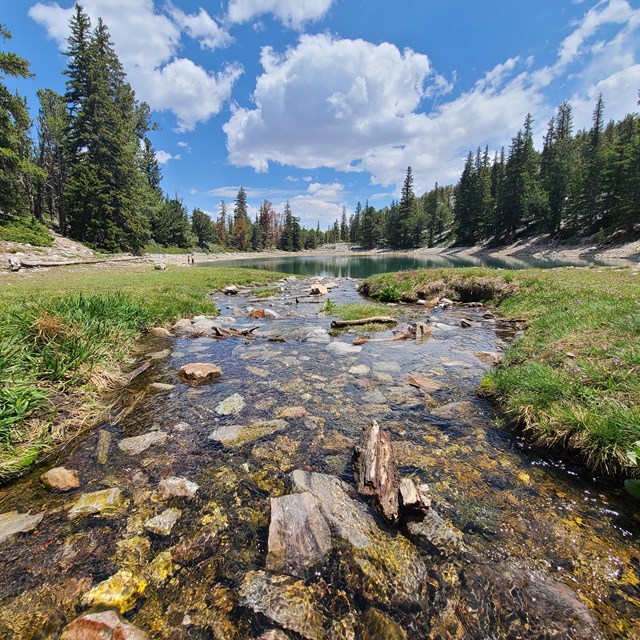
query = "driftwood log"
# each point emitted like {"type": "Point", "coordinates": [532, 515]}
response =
{"type": "Point", "coordinates": [374, 468]}
{"type": "Point", "coordinates": [337, 324]}
{"type": "Point", "coordinates": [221, 332]}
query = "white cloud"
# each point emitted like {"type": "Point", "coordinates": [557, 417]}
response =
{"type": "Point", "coordinates": [203, 28]}
{"type": "Point", "coordinates": [164, 156]}
{"type": "Point", "coordinates": [147, 43]}
{"type": "Point", "coordinates": [352, 105]}
{"type": "Point", "coordinates": [292, 13]}
{"type": "Point", "coordinates": [333, 191]}
{"type": "Point", "coordinates": [184, 145]}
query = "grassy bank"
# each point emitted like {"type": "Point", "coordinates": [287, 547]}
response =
{"type": "Point", "coordinates": [64, 334]}
{"type": "Point", "coordinates": [573, 381]}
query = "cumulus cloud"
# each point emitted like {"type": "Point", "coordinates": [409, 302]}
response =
{"type": "Point", "coordinates": [147, 42]}
{"type": "Point", "coordinates": [164, 156]}
{"type": "Point", "coordinates": [292, 13]}
{"type": "Point", "coordinates": [331, 191]}
{"type": "Point", "coordinates": [351, 105]}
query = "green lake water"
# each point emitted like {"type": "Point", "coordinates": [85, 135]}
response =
{"type": "Point", "coordinates": [354, 266]}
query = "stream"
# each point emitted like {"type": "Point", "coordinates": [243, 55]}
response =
{"type": "Point", "coordinates": [518, 543]}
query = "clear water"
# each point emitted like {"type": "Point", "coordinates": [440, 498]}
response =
{"type": "Point", "coordinates": [534, 529]}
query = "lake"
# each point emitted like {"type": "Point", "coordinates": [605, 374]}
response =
{"type": "Point", "coordinates": [354, 266]}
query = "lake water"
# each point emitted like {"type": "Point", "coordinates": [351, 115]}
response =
{"type": "Point", "coordinates": [354, 266]}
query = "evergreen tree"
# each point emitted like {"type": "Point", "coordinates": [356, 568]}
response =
{"type": "Point", "coordinates": [106, 197]}
{"type": "Point", "coordinates": [466, 215]}
{"type": "Point", "coordinates": [354, 227]}
{"type": "Point", "coordinates": [344, 226]}
{"type": "Point", "coordinates": [171, 227]}
{"type": "Point", "coordinates": [286, 238]}
{"type": "Point", "coordinates": [257, 236]}
{"type": "Point", "coordinates": [401, 234]}
{"type": "Point", "coordinates": [17, 171]}
{"type": "Point", "coordinates": [202, 228]}
{"type": "Point", "coordinates": [221, 224]}
{"type": "Point", "coordinates": [241, 225]}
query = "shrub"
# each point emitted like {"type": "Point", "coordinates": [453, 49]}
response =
{"type": "Point", "coordinates": [26, 231]}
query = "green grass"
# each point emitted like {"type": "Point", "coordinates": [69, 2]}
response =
{"type": "Point", "coordinates": [573, 381]}
{"type": "Point", "coordinates": [265, 292]}
{"type": "Point", "coordinates": [358, 311]}
{"type": "Point", "coordinates": [26, 230]}
{"type": "Point", "coordinates": [65, 331]}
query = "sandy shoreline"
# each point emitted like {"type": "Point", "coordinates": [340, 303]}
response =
{"type": "Point", "coordinates": [65, 250]}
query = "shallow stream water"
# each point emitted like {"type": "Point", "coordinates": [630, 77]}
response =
{"type": "Point", "coordinates": [541, 553]}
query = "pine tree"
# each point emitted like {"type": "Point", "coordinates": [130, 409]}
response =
{"type": "Point", "coordinates": [221, 224]}
{"type": "Point", "coordinates": [241, 224]}
{"type": "Point", "coordinates": [202, 228]}
{"type": "Point", "coordinates": [286, 238]}
{"type": "Point", "coordinates": [53, 123]}
{"type": "Point", "coordinates": [171, 227]}
{"type": "Point", "coordinates": [106, 196]}
{"type": "Point", "coordinates": [344, 226]}
{"type": "Point", "coordinates": [17, 170]}
{"type": "Point", "coordinates": [401, 234]}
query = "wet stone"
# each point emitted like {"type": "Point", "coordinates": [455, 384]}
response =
{"type": "Point", "coordinates": [292, 412]}
{"type": "Point", "coordinates": [237, 435]}
{"type": "Point", "coordinates": [104, 444]}
{"type": "Point", "coordinates": [285, 601]}
{"type": "Point", "coordinates": [454, 411]}
{"type": "Point", "coordinates": [105, 502]}
{"type": "Point", "coordinates": [299, 535]}
{"type": "Point", "coordinates": [435, 534]}
{"type": "Point", "coordinates": [102, 625]}
{"type": "Point", "coordinates": [160, 386]}
{"type": "Point", "coordinates": [199, 372]}
{"type": "Point", "coordinates": [359, 370]}
{"type": "Point", "coordinates": [273, 634]}
{"type": "Point", "coordinates": [138, 444]}
{"type": "Point", "coordinates": [120, 591]}
{"type": "Point", "coordinates": [377, 625]}
{"type": "Point", "coordinates": [317, 335]}
{"type": "Point", "coordinates": [163, 523]}
{"type": "Point", "coordinates": [388, 367]}
{"type": "Point", "coordinates": [232, 405]}
{"type": "Point", "coordinates": [159, 355]}
{"type": "Point", "coordinates": [60, 479]}
{"type": "Point", "coordinates": [342, 348]}
{"type": "Point", "coordinates": [12, 523]}
{"type": "Point", "coordinates": [176, 487]}
{"type": "Point", "coordinates": [424, 383]}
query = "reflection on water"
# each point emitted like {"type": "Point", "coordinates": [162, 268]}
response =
{"type": "Point", "coordinates": [545, 553]}
{"type": "Point", "coordinates": [354, 266]}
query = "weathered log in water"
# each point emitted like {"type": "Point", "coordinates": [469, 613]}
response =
{"type": "Point", "coordinates": [339, 324]}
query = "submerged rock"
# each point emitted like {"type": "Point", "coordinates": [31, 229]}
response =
{"type": "Point", "coordinates": [359, 370]}
{"type": "Point", "coordinates": [105, 502]}
{"type": "Point", "coordinates": [60, 479]}
{"type": "Point", "coordinates": [12, 523]}
{"type": "Point", "coordinates": [292, 412]}
{"type": "Point", "coordinates": [160, 386]}
{"type": "Point", "coordinates": [382, 568]}
{"type": "Point", "coordinates": [120, 591]}
{"type": "Point", "coordinates": [163, 523]}
{"type": "Point", "coordinates": [454, 411]}
{"type": "Point", "coordinates": [237, 434]}
{"type": "Point", "coordinates": [104, 444]}
{"type": "Point", "coordinates": [159, 355]}
{"type": "Point", "coordinates": [230, 406]}
{"type": "Point", "coordinates": [102, 625]}
{"type": "Point", "coordinates": [138, 444]}
{"type": "Point", "coordinates": [377, 625]}
{"type": "Point", "coordinates": [176, 487]}
{"type": "Point", "coordinates": [434, 534]}
{"type": "Point", "coordinates": [199, 372]}
{"type": "Point", "coordinates": [317, 335]}
{"type": "Point", "coordinates": [299, 535]}
{"type": "Point", "coordinates": [342, 348]}
{"type": "Point", "coordinates": [424, 383]}
{"type": "Point", "coordinates": [285, 601]}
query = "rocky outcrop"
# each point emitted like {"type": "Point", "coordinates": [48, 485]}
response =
{"type": "Point", "coordinates": [199, 372]}
{"type": "Point", "coordinates": [374, 468]}
{"type": "Point", "coordinates": [299, 535]}
{"type": "Point", "coordinates": [12, 523]}
{"type": "Point", "coordinates": [60, 479]}
{"type": "Point", "coordinates": [102, 625]}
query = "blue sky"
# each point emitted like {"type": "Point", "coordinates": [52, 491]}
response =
{"type": "Point", "coordinates": [326, 102]}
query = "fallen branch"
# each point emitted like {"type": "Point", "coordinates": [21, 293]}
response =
{"type": "Point", "coordinates": [336, 324]}
{"type": "Point", "coordinates": [221, 332]}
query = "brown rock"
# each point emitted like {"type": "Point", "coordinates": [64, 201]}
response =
{"type": "Point", "coordinates": [60, 479]}
{"type": "Point", "coordinates": [374, 467]}
{"type": "Point", "coordinates": [466, 323]}
{"type": "Point", "coordinates": [423, 331]}
{"type": "Point", "coordinates": [318, 290]}
{"type": "Point", "coordinates": [103, 625]}
{"type": "Point", "coordinates": [489, 357]}
{"type": "Point", "coordinates": [292, 412]}
{"type": "Point", "coordinates": [257, 314]}
{"type": "Point", "coordinates": [161, 332]}
{"type": "Point", "coordinates": [299, 535]}
{"type": "Point", "coordinates": [428, 385]}
{"type": "Point", "coordinates": [176, 487]}
{"type": "Point", "coordinates": [199, 372]}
